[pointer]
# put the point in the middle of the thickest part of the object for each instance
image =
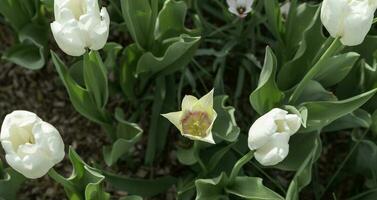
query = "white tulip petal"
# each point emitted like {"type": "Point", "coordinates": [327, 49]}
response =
{"type": "Point", "coordinates": [294, 123]}
{"type": "Point", "coordinates": [69, 38]}
{"type": "Point", "coordinates": [275, 151]}
{"type": "Point", "coordinates": [261, 131]}
{"type": "Point", "coordinates": [32, 147]}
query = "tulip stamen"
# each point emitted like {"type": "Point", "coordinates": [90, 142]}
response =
{"type": "Point", "coordinates": [241, 10]}
{"type": "Point", "coordinates": [196, 124]}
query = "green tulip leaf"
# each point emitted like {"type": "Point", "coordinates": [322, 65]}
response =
{"type": "Point", "coordinates": [267, 95]}
{"type": "Point", "coordinates": [357, 119]}
{"type": "Point", "coordinates": [171, 20]}
{"type": "Point", "coordinates": [128, 135]}
{"type": "Point", "coordinates": [322, 113]}
{"type": "Point", "coordinates": [225, 126]}
{"type": "Point", "coordinates": [95, 77]}
{"type": "Point", "coordinates": [211, 189]}
{"type": "Point", "coordinates": [337, 68]}
{"type": "Point", "coordinates": [141, 187]}
{"type": "Point", "coordinates": [303, 175]}
{"type": "Point", "coordinates": [138, 18]}
{"type": "Point", "coordinates": [251, 188]}
{"type": "Point", "coordinates": [178, 54]}
{"type": "Point", "coordinates": [81, 99]}
{"type": "Point", "coordinates": [10, 182]}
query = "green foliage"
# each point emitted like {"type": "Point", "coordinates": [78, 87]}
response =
{"type": "Point", "coordinates": [31, 29]}
{"type": "Point", "coordinates": [140, 187]}
{"type": "Point", "coordinates": [10, 182]}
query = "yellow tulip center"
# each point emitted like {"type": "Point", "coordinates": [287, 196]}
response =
{"type": "Point", "coordinates": [196, 123]}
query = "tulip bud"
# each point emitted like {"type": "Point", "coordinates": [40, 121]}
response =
{"type": "Point", "coordinates": [79, 24]}
{"type": "Point", "coordinates": [32, 146]}
{"type": "Point", "coordinates": [240, 7]}
{"type": "Point", "coordinates": [196, 119]}
{"type": "Point", "coordinates": [350, 20]}
{"type": "Point", "coordinates": [269, 136]}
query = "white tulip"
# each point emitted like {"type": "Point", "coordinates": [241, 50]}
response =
{"type": "Point", "coordinates": [240, 7]}
{"type": "Point", "coordinates": [269, 136]}
{"type": "Point", "coordinates": [32, 146]}
{"type": "Point", "coordinates": [196, 118]}
{"type": "Point", "coordinates": [350, 20]}
{"type": "Point", "coordinates": [79, 24]}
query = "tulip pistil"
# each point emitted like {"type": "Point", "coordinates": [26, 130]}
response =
{"type": "Point", "coordinates": [241, 10]}
{"type": "Point", "coordinates": [196, 123]}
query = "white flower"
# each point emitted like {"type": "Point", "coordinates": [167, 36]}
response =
{"type": "Point", "coordinates": [32, 146]}
{"type": "Point", "coordinates": [79, 24]}
{"type": "Point", "coordinates": [240, 7]}
{"type": "Point", "coordinates": [350, 20]}
{"type": "Point", "coordinates": [269, 136]}
{"type": "Point", "coordinates": [196, 119]}
{"type": "Point", "coordinates": [284, 8]}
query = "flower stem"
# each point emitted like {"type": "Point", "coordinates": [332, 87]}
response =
{"type": "Point", "coordinates": [197, 155]}
{"type": "Point", "coordinates": [61, 180]}
{"type": "Point", "coordinates": [315, 70]}
{"type": "Point", "coordinates": [240, 163]}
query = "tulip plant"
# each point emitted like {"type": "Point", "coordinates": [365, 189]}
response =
{"type": "Point", "coordinates": [242, 97]}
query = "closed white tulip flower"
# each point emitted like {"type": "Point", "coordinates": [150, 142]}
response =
{"type": "Point", "coordinates": [32, 146]}
{"type": "Point", "coordinates": [240, 7]}
{"type": "Point", "coordinates": [80, 24]}
{"type": "Point", "coordinates": [350, 20]}
{"type": "Point", "coordinates": [269, 136]}
{"type": "Point", "coordinates": [196, 118]}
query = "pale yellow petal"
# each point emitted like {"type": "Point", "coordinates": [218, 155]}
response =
{"type": "Point", "coordinates": [188, 101]}
{"type": "Point", "coordinates": [174, 118]}
{"type": "Point", "coordinates": [207, 100]}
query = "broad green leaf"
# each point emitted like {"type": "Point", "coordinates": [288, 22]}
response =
{"type": "Point", "coordinates": [225, 125]}
{"type": "Point", "coordinates": [128, 135]}
{"type": "Point", "coordinates": [177, 55]}
{"type": "Point", "coordinates": [30, 52]}
{"type": "Point", "coordinates": [131, 198]}
{"type": "Point", "coordinates": [130, 57]}
{"type": "Point", "coordinates": [95, 77]}
{"type": "Point", "coordinates": [303, 175]}
{"type": "Point", "coordinates": [364, 161]}
{"type": "Point", "coordinates": [367, 49]}
{"type": "Point", "coordinates": [211, 189]}
{"type": "Point", "coordinates": [138, 17]}
{"type": "Point", "coordinates": [267, 95]}
{"type": "Point", "coordinates": [80, 97]}
{"type": "Point", "coordinates": [171, 19]}
{"type": "Point", "coordinates": [356, 119]}
{"type": "Point", "coordinates": [274, 18]}
{"type": "Point", "coordinates": [87, 181]}
{"type": "Point", "coordinates": [313, 40]}
{"type": "Point", "coordinates": [10, 183]}
{"type": "Point", "coordinates": [322, 113]}
{"type": "Point", "coordinates": [141, 187]}
{"type": "Point", "coordinates": [299, 20]}
{"type": "Point", "coordinates": [300, 146]}
{"type": "Point", "coordinates": [186, 156]}
{"type": "Point", "coordinates": [18, 13]}
{"type": "Point", "coordinates": [112, 50]}
{"type": "Point", "coordinates": [337, 68]}
{"type": "Point", "coordinates": [251, 188]}
{"type": "Point", "coordinates": [314, 91]}
{"type": "Point", "coordinates": [218, 156]}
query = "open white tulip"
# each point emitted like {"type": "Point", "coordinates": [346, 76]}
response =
{"type": "Point", "coordinates": [269, 136]}
{"type": "Point", "coordinates": [240, 7]}
{"type": "Point", "coordinates": [196, 119]}
{"type": "Point", "coordinates": [79, 24]}
{"type": "Point", "coordinates": [32, 146]}
{"type": "Point", "coordinates": [350, 20]}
